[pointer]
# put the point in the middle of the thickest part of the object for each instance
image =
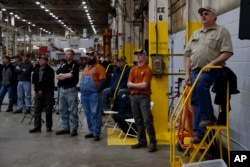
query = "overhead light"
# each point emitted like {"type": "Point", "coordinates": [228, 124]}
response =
{"type": "Point", "coordinates": [85, 7]}
{"type": "Point", "coordinates": [42, 6]}
{"type": "Point", "coordinates": [83, 2]}
{"type": "Point", "coordinates": [3, 9]}
{"type": "Point", "coordinates": [37, 3]}
{"type": "Point", "coordinates": [33, 25]}
{"type": "Point", "coordinates": [46, 10]}
{"type": "Point", "coordinates": [11, 13]}
{"type": "Point", "coordinates": [23, 20]}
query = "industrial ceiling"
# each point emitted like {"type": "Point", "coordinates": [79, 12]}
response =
{"type": "Point", "coordinates": [57, 16]}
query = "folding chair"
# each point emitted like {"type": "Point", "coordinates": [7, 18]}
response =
{"type": "Point", "coordinates": [30, 115]}
{"type": "Point", "coordinates": [109, 120]}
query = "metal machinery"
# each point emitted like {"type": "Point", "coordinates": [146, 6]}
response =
{"type": "Point", "coordinates": [58, 45]}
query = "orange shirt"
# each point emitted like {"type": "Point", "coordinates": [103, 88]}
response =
{"type": "Point", "coordinates": [98, 73]}
{"type": "Point", "coordinates": [141, 74]}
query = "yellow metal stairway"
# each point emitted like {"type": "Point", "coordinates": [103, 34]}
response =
{"type": "Point", "coordinates": [213, 136]}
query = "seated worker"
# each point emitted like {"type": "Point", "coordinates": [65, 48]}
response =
{"type": "Point", "coordinates": [122, 104]}
{"type": "Point", "coordinates": [122, 88]}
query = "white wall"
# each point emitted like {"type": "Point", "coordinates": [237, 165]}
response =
{"type": "Point", "coordinates": [240, 64]}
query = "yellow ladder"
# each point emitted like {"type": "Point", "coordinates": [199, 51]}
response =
{"type": "Point", "coordinates": [176, 159]}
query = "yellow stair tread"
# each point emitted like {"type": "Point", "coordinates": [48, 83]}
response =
{"type": "Point", "coordinates": [216, 126]}
{"type": "Point", "coordinates": [204, 146]}
{"type": "Point", "coordinates": [184, 159]}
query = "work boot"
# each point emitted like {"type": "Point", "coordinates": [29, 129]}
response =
{"type": "Point", "coordinates": [152, 147]}
{"type": "Point", "coordinates": [195, 140]}
{"type": "Point", "coordinates": [73, 133]}
{"type": "Point", "coordinates": [9, 110]}
{"type": "Point", "coordinates": [207, 122]}
{"type": "Point", "coordinates": [96, 138]}
{"type": "Point", "coordinates": [17, 112]}
{"type": "Point", "coordinates": [138, 145]}
{"type": "Point", "coordinates": [89, 136]}
{"type": "Point", "coordinates": [63, 132]}
{"type": "Point", "coordinates": [35, 130]}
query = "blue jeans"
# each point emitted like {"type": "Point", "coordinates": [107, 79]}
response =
{"type": "Point", "coordinates": [201, 99]}
{"type": "Point", "coordinates": [91, 107]}
{"type": "Point", "coordinates": [3, 91]}
{"type": "Point", "coordinates": [23, 94]}
{"type": "Point", "coordinates": [107, 93]}
{"type": "Point", "coordinates": [91, 102]}
{"type": "Point", "coordinates": [68, 107]}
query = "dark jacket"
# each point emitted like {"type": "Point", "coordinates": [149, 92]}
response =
{"type": "Point", "coordinates": [47, 83]}
{"type": "Point", "coordinates": [24, 71]}
{"type": "Point", "coordinates": [8, 75]}
{"type": "Point", "coordinates": [116, 76]}
{"type": "Point", "coordinates": [225, 75]}
{"type": "Point", "coordinates": [220, 86]}
{"type": "Point", "coordinates": [1, 69]}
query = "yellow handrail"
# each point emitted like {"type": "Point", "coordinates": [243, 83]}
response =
{"type": "Point", "coordinates": [173, 123]}
{"type": "Point", "coordinates": [119, 81]}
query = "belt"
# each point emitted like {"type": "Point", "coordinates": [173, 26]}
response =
{"type": "Point", "coordinates": [67, 87]}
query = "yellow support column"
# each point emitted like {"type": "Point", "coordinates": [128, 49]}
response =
{"type": "Point", "coordinates": [158, 45]}
{"type": "Point", "coordinates": [193, 20]}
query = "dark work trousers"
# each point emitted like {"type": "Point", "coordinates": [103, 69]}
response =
{"type": "Point", "coordinates": [143, 118]}
{"type": "Point", "coordinates": [43, 102]}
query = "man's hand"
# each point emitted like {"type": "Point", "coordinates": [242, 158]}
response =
{"type": "Point", "coordinates": [208, 69]}
{"type": "Point", "coordinates": [187, 79]}
{"type": "Point", "coordinates": [40, 92]}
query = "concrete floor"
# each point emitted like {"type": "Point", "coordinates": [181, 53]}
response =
{"type": "Point", "coordinates": [18, 148]}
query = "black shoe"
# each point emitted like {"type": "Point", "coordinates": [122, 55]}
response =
{"type": "Point", "coordinates": [152, 147]}
{"type": "Point", "coordinates": [35, 130]}
{"type": "Point", "coordinates": [27, 112]}
{"type": "Point", "coordinates": [138, 145]}
{"type": "Point", "coordinates": [195, 140]}
{"type": "Point", "coordinates": [57, 113]}
{"type": "Point", "coordinates": [73, 133]}
{"type": "Point", "coordinates": [207, 122]}
{"type": "Point", "coordinates": [17, 112]}
{"type": "Point", "coordinates": [89, 136]}
{"type": "Point", "coordinates": [9, 110]}
{"type": "Point", "coordinates": [63, 132]}
{"type": "Point", "coordinates": [96, 138]}
{"type": "Point", "coordinates": [48, 130]}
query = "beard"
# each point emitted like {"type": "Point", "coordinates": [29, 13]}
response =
{"type": "Point", "coordinates": [91, 61]}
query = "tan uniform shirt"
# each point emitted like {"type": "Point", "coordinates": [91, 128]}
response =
{"type": "Point", "coordinates": [205, 46]}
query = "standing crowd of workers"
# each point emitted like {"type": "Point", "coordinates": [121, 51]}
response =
{"type": "Point", "coordinates": [99, 81]}
{"type": "Point", "coordinates": [209, 46]}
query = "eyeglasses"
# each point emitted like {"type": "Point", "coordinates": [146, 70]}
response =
{"type": "Point", "coordinates": [204, 14]}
